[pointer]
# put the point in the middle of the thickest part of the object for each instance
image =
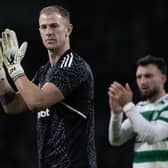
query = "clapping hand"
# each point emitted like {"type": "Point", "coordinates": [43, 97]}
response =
{"type": "Point", "coordinates": [12, 54]}
{"type": "Point", "coordinates": [119, 95]}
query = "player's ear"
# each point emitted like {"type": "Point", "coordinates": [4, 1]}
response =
{"type": "Point", "coordinates": [39, 31]}
{"type": "Point", "coordinates": [69, 29]}
{"type": "Point", "coordinates": [164, 78]}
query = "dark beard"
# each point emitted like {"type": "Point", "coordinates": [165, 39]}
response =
{"type": "Point", "coordinates": [150, 95]}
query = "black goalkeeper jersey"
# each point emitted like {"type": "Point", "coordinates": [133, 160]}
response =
{"type": "Point", "coordinates": [65, 131]}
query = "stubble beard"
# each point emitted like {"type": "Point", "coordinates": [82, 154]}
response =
{"type": "Point", "coordinates": [150, 94]}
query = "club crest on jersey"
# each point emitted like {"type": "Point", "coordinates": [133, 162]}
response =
{"type": "Point", "coordinates": [42, 114]}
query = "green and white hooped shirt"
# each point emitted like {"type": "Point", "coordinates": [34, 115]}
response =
{"type": "Point", "coordinates": [149, 123]}
{"type": "Point", "coordinates": [154, 155]}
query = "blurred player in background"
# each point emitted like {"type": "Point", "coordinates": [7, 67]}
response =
{"type": "Point", "coordinates": [148, 120]}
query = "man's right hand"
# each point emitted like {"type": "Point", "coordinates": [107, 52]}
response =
{"type": "Point", "coordinates": [12, 54]}
{"type": "Point", "coordinates": [2, 71]}
{"type": "Point", "coordinates": [113, 103]}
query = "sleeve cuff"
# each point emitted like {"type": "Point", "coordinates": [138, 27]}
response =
{"type": "Point", "coordinates": [116, 116]}
{"type": "Point", "coordinates": [128, 107]}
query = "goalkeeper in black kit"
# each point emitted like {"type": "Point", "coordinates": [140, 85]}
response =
{"type": "Point", "coordinates": [61, 92]}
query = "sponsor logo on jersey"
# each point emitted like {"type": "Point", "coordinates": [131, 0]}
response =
{"type": "Point", "coordinates": [42, 114]}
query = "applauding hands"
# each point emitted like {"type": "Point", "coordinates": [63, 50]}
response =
{"type": "Point", "coordinates": [11, 54]}
{"type": "Point", "coordinates": [119, 96]}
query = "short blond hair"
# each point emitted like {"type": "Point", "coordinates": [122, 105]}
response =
{"type": "Point", "coordinates": [58, 9]}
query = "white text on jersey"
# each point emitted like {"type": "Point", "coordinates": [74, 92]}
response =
{"type": "Point", "coordinates": [42, 114]}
